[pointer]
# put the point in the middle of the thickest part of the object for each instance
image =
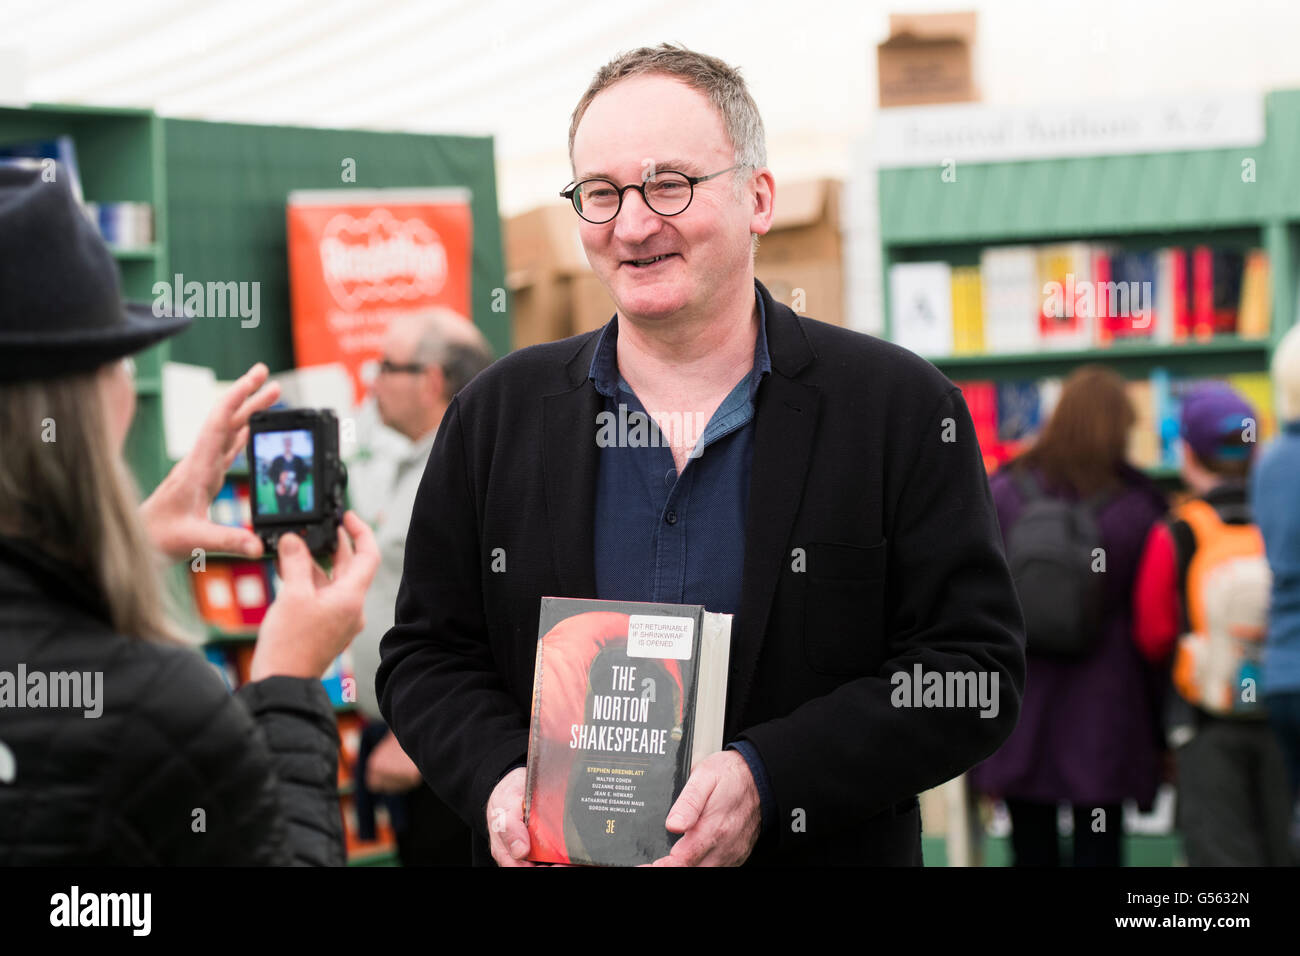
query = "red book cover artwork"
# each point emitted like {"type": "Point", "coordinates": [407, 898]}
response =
{"type": "Point", "coordinates": [610, 741]}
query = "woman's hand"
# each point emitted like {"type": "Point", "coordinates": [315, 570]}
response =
{"type": "Point", "coordinates": [313, 617]}
{"type": "Point", "coordinates": [176, 514]}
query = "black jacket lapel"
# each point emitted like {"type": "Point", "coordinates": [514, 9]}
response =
{"type": "Point", "coordinates": [569, 461]}
{"type": "Point", "coordinates": [785, 422]}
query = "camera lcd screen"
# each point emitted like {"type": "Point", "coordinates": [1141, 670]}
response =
{"type": "Point", "coordinates": [284, 480]}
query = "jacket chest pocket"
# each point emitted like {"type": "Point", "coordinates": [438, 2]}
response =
{"type": "Point", "coordinates": [844, 599]}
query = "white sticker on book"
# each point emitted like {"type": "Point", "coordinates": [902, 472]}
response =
{"type": "Point", "coordinates": [250, 591]}
{"type": "Point", "coordinates": [650, 635]}
{"type": "Point", "coordinates": [218, 592]}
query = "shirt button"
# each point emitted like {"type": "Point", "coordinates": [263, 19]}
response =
{"type": "Point", "coordinates": [671, 517]}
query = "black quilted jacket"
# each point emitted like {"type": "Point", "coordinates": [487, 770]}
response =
{"type": "Point", "coordinates": [175, 770]}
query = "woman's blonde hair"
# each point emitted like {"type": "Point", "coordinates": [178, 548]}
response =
{"type": "Point", "coordinates": [65, 490]}
{"type": "Point", "coordinates": [1286, 375]}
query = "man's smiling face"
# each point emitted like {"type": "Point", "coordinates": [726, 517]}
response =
{"type": "Point", "coordinates": [656, 122]}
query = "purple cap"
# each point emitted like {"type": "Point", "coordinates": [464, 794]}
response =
{"type": "Point", "coordinates": [1214, 423]}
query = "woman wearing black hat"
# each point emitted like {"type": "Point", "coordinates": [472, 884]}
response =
{"type": "Point", "coordinates": [119, 743]}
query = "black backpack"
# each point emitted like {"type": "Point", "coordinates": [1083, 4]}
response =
{"type": "Point", "coordinates": [1051, 551]}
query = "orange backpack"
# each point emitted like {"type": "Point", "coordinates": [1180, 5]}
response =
{"type": "Point", "coordinates": [1216, 664]}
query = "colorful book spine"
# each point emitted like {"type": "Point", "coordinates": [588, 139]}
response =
{"type": "Point", "coordinates": [1203, 293]}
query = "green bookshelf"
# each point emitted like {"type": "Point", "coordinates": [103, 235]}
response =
{"type": "Point", "coordinates": [120, 159]}
{"type": "Point", "coordinates": [1135, 202]}
{"type": "Point", "coordinates": [218, 193]}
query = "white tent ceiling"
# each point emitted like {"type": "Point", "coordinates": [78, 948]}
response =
{"type": "Point", "coordinates": [514, 68]}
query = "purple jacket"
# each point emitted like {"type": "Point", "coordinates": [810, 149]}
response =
{"type": "Point", "coordinates": [1089, 730]}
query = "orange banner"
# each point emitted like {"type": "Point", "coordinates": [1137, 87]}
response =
{"type": "Point", "coordinates": [358, 258]}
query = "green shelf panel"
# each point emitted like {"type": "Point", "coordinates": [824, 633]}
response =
{"type": "Point", "coordinates": [227, 185]}
{"type": "Point", "coordinates": [217, 635]}
{"type": "Point", "coordinates": [142, 253]}
{"type": "Point", "coordinates": [1037, 200]}
{"type": "Point", "coordinates": [1221, 356]}
{"type": "Point", "coordinates": [119, 159]}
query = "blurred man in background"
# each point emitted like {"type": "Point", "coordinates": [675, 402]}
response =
{"type": "Point", "coordinates": [1202, 597]}
{"type": "Point", "coordinates": [428, 357]}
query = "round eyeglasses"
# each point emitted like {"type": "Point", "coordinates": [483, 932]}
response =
{"type": "Point", "coordinates": [667, 193]}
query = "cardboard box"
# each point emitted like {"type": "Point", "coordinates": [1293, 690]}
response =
{"type": "Point", "coordinates": [544, 240]}
{"type": "Point", "coordinates": [805, 224]}
{"type": "Point", "coordinates": [928, 58]}
{"type": "Point", "coordinates": [801, 260]}
{"type": "Point", "coordinates": [590, 305]}
{"type": "Point", "coordinates": [812, 287]}
{"type": "Point", "coordinates": [539, 310]}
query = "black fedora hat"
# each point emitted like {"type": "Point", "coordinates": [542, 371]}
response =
{"type": "Point", "coordinates": [61, 308]}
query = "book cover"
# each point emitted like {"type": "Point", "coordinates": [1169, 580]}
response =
{"type": "Point", "coordinates": [1143, 438]}
{"type": "Point", "coordinates": [1018, 421]}
{"type": "Point", "coordinates": [214, 593]}
{"type": "Point", "coordinates": [982, 403]}
{"type": "Point", "coordinates": [627, 697]}
{"type": "Point", "coordinates": [920, 295]}
{"type": "Point", "coordinates": [1012, 298]}
{"type": "Point", "coordinates": [960, 315]}
{"type": "Point", "coordinates": [1065, 274]}
{"type": "Point", "coordinates": [252, 591]}
{"type": "Point", "coordinates": [1255, 313]}
{"type": "Point", "coordinates": [1130, 295]}
{"type": "Point", "coordinates": [1180, 294]}
{"type": "Point", "coordinates": [974, 295]}
{"type": "Point", "coordinates": [1164, 298]}
{"type": "Point", "coordinates": [1202, 301]}
{"type": "Point", "coordinates": [61, 149]}
{"type": "Point", "coordinates": [1103, 322]}
{"type": "Point", "coordinates": [1229, 266]}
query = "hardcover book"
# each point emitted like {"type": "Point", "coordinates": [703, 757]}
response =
{"type": "Point", "coordinates": [627, 698]}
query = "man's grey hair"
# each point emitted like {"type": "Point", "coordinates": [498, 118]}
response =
{"type": "Point", "coordinates": [450, 341]}
{"type": "Point", "coordinates": [720, 83]}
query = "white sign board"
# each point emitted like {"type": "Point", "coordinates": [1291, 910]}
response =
{"type": "Point", "coordinates": [975, 133]}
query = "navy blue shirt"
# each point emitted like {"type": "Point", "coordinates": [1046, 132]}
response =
{"type": "Point", "coordinates": [669, 537]}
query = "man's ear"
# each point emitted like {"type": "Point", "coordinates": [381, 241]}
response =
{"type": "Point", "coordinates": [762, 192]}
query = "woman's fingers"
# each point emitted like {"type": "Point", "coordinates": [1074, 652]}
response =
{"type": "Point", "coordinates": [363, 556]}
{"type": "Point", "coordinates": [236, 446]}
{"type": "Point", "coordinates": [296, 564]}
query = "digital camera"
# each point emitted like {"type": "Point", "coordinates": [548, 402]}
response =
{"type": "Point", "coordinates": [297, 479]}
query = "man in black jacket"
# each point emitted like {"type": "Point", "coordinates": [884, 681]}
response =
{"type": "Point", "coordinates": [835, 501]}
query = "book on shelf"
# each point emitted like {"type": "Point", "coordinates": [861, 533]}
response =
{"type": "Point", "coordinates": [252, 591]}
{"type": "Point", "coordinates": [922, 296]}
{"type": "Point", "coordinates": [967, 311]}
{"type": "Point", "coordinates": [1009, 415]}
{"type": "Point", "coordinates": [214, 596]}
{"type": "Point", "coordinates": [1012, 298]}
{"type": "Point", "coordinates": [61, 149]}
{"type": "Point", "coordinates": [1079, 296]}
{"type": "Point", "coordinates": [627, 698]}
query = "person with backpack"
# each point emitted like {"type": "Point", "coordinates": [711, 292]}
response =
{"type": "Point", "coordinates": [1074, 515]}
{"type": "Point", "coordinates": [1277, 510]}
{"type": "Point", "coordinates": [1201, 608]}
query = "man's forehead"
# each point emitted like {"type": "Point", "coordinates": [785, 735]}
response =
{"type": "Point", "coordinates": [648, 122]}
{"type": "Point", "coordinates": [403, 332]}
{"type": "Point", "coordinates": [647, 166]}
